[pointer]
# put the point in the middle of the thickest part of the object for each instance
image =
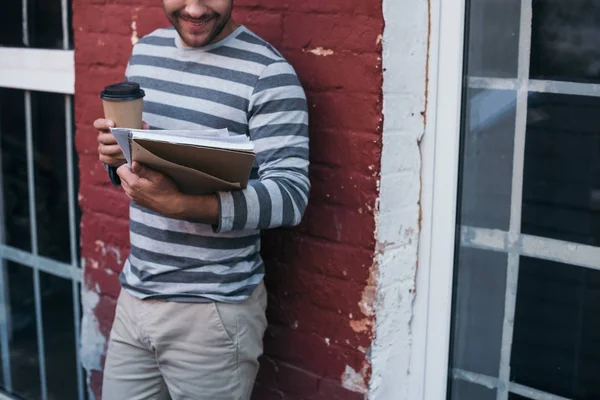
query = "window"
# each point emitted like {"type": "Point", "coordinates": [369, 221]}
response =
{"type": "Point", "coordinates": [39, 252]}
{"type": "Point", "coordinates": [527, 269]}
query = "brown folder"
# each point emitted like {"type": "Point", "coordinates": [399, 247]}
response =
{"type": "Point", "coordinates": [195, 169]}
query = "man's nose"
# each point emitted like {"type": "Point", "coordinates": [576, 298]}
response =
{"type": "Point", "coordinates": [196, 9]}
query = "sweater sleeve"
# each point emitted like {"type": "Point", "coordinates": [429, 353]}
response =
{"type": "Point", "coordinates": [278, 126]}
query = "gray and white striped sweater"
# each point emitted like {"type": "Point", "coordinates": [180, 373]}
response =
{"type": "Point", "coordinates": [243, 84]}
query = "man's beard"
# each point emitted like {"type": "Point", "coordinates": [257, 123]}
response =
{"type": "Point", "coordinates": [176, 17]}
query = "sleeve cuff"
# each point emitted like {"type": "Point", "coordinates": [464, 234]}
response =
{"type": "Point", "coordinates": [226, 212]}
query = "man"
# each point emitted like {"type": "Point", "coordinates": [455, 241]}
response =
{"type": "Point", "coordinates": [190, 320]}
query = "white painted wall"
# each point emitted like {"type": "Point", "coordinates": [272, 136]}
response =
{"type": "Point", "coordinates": [405, 48]}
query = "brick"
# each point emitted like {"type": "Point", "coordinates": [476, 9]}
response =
{"type": "Point", "coordinates": [327, 293]}
{"type": "Point", "coordinates": [343, 187]}
{"type": "Point", "coordinates": [112, 18]}
{"type": "Point", "coordinates": [352, 72]}
{"type": "Point", "coordinates": [103, 49]}
{"type": "Point", "coordinates": [289, 310]}
{"type": "Point", "coordinates": [347, 7]}
{"type": "Point", "coordinates": [95, 384]}
{"type": "Point", "coordinates": [333, 389]}
{"type": "Point", "coordinates": [104, 200]}
{"type": "Point", "coordinates": [266, 24]}
{"type": "Point", "coordinates": [310, 353]}
{"type": "Point", "coordinates": [351, 150]}
{"type": "Point", "coordinates": [356, 33]}
{"type": "Point", "coordinates": [92, 79]}
{"type": "Point", "coordinates": [148, 19]}
{"type": "Point", "coordinates": [105, 280]}
{"type": "Point", "coordinates": [341, 110]}
{"type": "Point", "coordinates": [323, 258]}
{"type": "Point", "coordinates": [105, 314]}
{"type": "Point", "coordinates": [92, 171]}
{"type": "Point", "coordinates": [339, 225]}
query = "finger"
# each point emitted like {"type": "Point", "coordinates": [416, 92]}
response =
{"type": "Point", "coordinates": [144, 172]}
{"type": "Point", "coordinates": [111, 161]}
{"type": "Point", "coordinates": [145, 125]}
{"type": "Point", "coordinates": [103, 124]}
{"type": "Point", "coordinates": [126, 175]}
{"type": "Point", "coordinates": [110, 150]}
{"type": "Point", "coordinates": [106, 138]}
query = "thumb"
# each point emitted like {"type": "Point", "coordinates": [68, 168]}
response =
{"type": "Point", "coordinates": [142, 171]}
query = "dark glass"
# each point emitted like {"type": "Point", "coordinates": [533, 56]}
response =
{"type": "Point", "coordinates": [487, 147]}
{"type": "Point", "coordinates": [24, 359]}
{"type": "Point", "coordinates": [493, 47]}
{"type": "Point", "coordinates": [462, 390]}
{"type": "Point", "coordinates": [565, 40]}
{"type": "Point", "coordinates": [561, 184]}
{"type": "Point", "coordinates": [59, 337]}
{"type": "Point", "coordinates": [15, 191]}
{"type": "Point", "coordinates": [555, 342]}
{"type": "Point", "coordinates": [478, 312]}
{"type": "Point", "coordinates": [51, 184]}
{"type": "Point", "coordinates": [45, 23]}
{"type": "Point", "coordinates": [11, 28]}
{"type": "Point", "coordinates": [512, 396]}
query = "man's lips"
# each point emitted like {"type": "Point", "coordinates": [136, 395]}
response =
{"type": "Point", "coordinates": [197, 23]}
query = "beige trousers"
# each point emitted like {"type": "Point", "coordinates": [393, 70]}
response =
{"type": "Point", "coordinates": [184, 351]}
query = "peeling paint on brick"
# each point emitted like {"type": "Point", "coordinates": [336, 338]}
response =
{"type": "Point", "coordinates": [319, 51]}
{"type": "Point", "coordinates": [404, 48]}
{"type": "Point", "coordinates": [353, 380]}
{"type": "Point", "coordinates": [93, 342]}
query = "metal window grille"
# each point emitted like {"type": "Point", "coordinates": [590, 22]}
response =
{"type": "Point", "coordinates": [512, 242]}
{"type": "Point", "coordinates": [36, 78]}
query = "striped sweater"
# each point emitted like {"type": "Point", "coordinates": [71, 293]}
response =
{"type": "Point", "coordinates": [243, 84]}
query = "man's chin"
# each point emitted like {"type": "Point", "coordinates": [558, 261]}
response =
{"type": "Point", "coordinates": [196, 40]}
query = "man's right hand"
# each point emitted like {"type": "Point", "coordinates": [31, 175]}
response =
{"type": "Point", "coordinates": [108, 150]}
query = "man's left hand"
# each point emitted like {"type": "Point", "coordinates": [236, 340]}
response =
{"type": "Point", "coordinates": [149, 188]}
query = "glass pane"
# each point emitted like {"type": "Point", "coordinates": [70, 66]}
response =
{"type": "Point", "coordinates": [11, 28]}
{"type": "Point", "coordinates": [512, 396]}
{"type": "Point", "coordinates": [493, 38]}
{"type": "Point", "coordinates": [561, 184]}
{"type": "Point", "coordinates": [51, 185]}
{"type": "Point", "coordinates": [555, 343]}
{"type": "Point", "coordinates": [45, 23]}
{"type": "Point", "coordinates": [15, 191]}
{"type": "Point", "coordinates": [478, 311]}
{"type": "Point", "coordinates": [487, 158]}
{"type": "Point", "coordinates": [565, 40]}
{"type": "Point", "coordinates": [462, 390]}
{"type": "Point", "coordinates": [59, 336]}
{"type": "Point", "coordinates": [23, 338]}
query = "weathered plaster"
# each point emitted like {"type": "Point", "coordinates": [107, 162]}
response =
{"type": "Point", "coordinates": [405, 48]}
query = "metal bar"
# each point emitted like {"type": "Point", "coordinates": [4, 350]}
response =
{"type": "Point", "coordinates": [570, 88]}
{"type": "Point", "coordinates": [64, 5]}
{"type": "Point", "coordinates": [537, 85]}
{"type": "Point", "coordinates": [512, 273]}
{"type": "Point", "coordinates": [5, 317]}
{"type": "Point", "coordinates": [25, 23]}
{"type": "Point", "coordinates": [580, 255]}
{"type": "Point", "coordinates": [47, 265]}
{"type": "Point", "coordinates": [73, 237]}
{"type": "Point", "coordinates": [477, 82]}
{"type": "Point", "coordinates": [532, 393]}
{"type": "Point", "coordinates": [512, 387]}
{"type": "Point", "coordinates": [34, 246]}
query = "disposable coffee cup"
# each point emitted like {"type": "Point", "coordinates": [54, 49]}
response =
{"type": "Point", "coordinates": [123, 104]}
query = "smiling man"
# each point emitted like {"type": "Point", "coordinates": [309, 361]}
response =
{"type": "Point", "coordinates": [191, 315]}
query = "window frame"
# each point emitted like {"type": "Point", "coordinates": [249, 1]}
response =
{"type": "Point", "coordinates": [44, 70]}
{"type": "Point", "coordinates": [431, 331]}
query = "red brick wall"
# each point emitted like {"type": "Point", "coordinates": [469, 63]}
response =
{"type": "Point", "coordinates": [319, 275]}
